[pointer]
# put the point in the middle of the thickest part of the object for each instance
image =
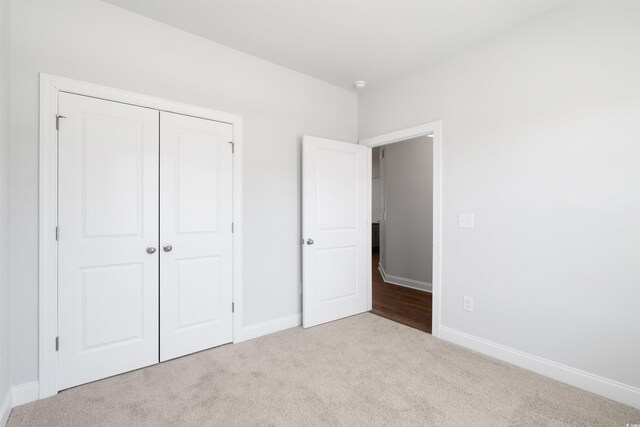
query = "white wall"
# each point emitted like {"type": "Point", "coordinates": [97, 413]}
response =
{"type": "Point", "coordinates": [4, 203]}
{"type": "Point", "coordinates": [100, 43]}
{"type": "Point", "coordinates": [375, 199]}
{"type": "Point", "coordinates": [407, 181]}
{"type": "Point", "coordinates": [541, 131]}
{"type": "Point", "coordinates": [375, 162]}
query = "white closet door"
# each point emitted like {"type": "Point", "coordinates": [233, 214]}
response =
{"type": "Point", "coordinates": [336, 255]}
{"type": "Point", "coordinates": [195, 234]}
{"type": "Point", "coordinates": [108, 221]}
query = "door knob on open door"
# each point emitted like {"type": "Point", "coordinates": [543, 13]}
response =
{"type": "Point", "coordinates": [310, 242]}
{"type": "Point", "coordinates": [167, 248]}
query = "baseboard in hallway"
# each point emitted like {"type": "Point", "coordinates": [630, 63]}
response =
{"type": "Point", "coordinates": [403, 281]}
{"type": "Point", "coordinates": [405, 305]}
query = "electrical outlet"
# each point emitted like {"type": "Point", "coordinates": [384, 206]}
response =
{"type": "Point", "coordinates": [467, 304]}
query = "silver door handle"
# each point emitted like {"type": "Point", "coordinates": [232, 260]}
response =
{"type": "Point", "coordinates": [151, 250]}
{"type": "Point", "coordinates": [310, 241]}
{"type": "Point", "coordinates": [167, 248]}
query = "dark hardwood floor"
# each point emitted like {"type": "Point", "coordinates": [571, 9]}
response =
{"type": "Point", "coordinates": [403, 305]}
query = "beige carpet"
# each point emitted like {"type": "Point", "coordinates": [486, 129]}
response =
{"type": "Point", "coordinates": [364, 370]}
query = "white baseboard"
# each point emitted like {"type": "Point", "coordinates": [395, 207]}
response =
{"type": "Point", "coordinates": [16, 396]}
{"type": "Point", "coordinates": [24, 393]}
{"type": "Point", "coordinates": [403, 281]}
{"type": "Point", "coordinates": [5, 408]}
{"type": "Point", "coordinates": [624, 393]}
{"type": "Point", "coordinates": [268, 327]}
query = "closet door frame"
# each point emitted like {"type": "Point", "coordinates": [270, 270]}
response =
{"type": "Point", "coordinates": [50, 88]}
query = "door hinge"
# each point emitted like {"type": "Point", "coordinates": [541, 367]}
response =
{"type": "Point", "coordinates": [58, 117]}
{"type": "Point", "coordinates": [233, 147]}
{"type": "Point", "coordinates": [57, 233]}
{"type": "Point", "coordinates": [382, 154]}
{"type": "Point", "coordinates": [57, 343]}
{"type": "Point", "coordinates": [233, 307]}
{"type": "Point", "coordinates": [232, 227]}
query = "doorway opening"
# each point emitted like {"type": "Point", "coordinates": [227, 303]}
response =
{"type": "Point", "coordinates": [402, 231]}
{"type": "Point", "coordinates": [405, 183]}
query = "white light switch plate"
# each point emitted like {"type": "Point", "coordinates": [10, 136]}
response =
{"type": "Point", "coordinates": [465, 220]}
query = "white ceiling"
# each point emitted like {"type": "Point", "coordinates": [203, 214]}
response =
{"type": "Point", "coordinates": [341, 41]}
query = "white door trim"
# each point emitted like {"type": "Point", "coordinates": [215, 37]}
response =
{"type": "Point", "coordinates": [435, 129]}
{"type": "Point", "coordinates": [50, 87]}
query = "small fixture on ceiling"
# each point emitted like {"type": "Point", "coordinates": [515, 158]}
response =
{"type": "Point", "coordinates": [359, 84]}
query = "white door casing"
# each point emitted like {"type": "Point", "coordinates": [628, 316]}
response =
{"type": "Point", "coordinates": [336, 229]}
{"type": "Point", "coordinates": [108, 217]}
{"type": "Point", "coordinates": [196, 221]}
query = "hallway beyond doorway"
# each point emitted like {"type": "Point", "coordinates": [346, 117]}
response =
{"type": "Point", "coordinates": [408, 306]}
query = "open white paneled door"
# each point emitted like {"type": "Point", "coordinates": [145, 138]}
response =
{"type": "Point", "coordinates": [336, 229]}
{"type": "Point", "coordinates": [195, 234]}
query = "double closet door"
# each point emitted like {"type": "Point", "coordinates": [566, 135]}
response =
{"type": "Point", "coordinates": [144, 237]}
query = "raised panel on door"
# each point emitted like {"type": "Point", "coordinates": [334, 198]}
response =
{"type": "Point", "coordinates": [195, 220]}
{"type": "Point", "coordinates": [108, 216]}
{"type": "Point", "coordinates": [336, 249]}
